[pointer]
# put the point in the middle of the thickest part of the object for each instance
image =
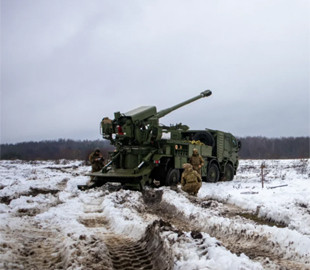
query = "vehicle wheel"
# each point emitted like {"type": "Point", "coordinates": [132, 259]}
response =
{"type": "Point", "coordinates": [213, 173]}
{"type": "Point", "coordinates": [228, 173]}
{"type": "Point", "coordinates": [173, 177]}
{"type": "Point", "coordinates": [205, 137]}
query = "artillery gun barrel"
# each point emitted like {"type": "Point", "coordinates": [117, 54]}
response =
{"type": "Point", "coordinates": [164, 112]}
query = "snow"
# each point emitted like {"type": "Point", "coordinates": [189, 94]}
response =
{"type": "Point", "coordinates": [41, 200]}
{"type": "Point", "coordinates": [285, 204]}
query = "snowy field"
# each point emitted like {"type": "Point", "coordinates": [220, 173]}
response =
{"type": "Point", "coordinates": [47, 223]}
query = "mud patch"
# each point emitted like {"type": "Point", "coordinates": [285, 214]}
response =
{"type": "Point", "coordinates": [167, 212]}
{"type": "Point", "coordinates": [260, 220]}
{"type": "Point", "coordinates": [233, 211]}
{"type": "Point", "coordinates": [93, 222]}
{"type": "Point", "coordinates": [63, 183]}
{"type": "Point", "coordinates": [28, 211]}
{"type": "Point", "coordinates": [302, 205]}
{"type": "Point", "coordinates": [89, 252]}
{"type": "Point", "coordinates": [149, 252]}
{"type": "Point", "coordinates": [32, 208]}
{"type": "Point", "coordinates": [5, 199]}
{"type": "Point", "coordinates": [152, 197]}
{"type": "Point", "coordinates": [36, 191]}
{"type": "Point", "coordinates": [32, 247]}
{"type": "Point", "coordinates": [127, 254]}
{"type": "Point", "coordinates": [63, 168]}
{"type": "Point", "coordinates": [32, 192]}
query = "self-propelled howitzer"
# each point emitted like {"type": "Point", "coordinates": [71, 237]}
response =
{"type": "Point", "coordinates": [147, 152]}
{"type": "Point", "coordinates": [141, 125]}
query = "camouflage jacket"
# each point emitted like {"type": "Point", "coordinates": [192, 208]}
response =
{"type": "Point", "coordinates": [196, 161]}
{"type": "Point", "coordinates": [96, 161]}
{"type": "Point", "coordinates": [93, 156]}
{"type": "Point", "coordinates": [190, 176]}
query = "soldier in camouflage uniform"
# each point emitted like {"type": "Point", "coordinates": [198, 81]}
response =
{"type": "Point", "coordinates": [190, 180]}
{"type": "Point", "coordinates": [197, 161]}
{"type": "Point", "coordinates": [97, 162]}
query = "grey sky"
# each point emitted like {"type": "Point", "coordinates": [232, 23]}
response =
{"type": "Point", "coordinates": [66, 64]}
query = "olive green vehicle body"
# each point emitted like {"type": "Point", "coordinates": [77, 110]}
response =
{"type": "Point", "coordinates": [147, 152]}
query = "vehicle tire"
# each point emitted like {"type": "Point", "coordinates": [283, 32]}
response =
{"type": "Point", "coordinates": [228, 173]}
{"type": "Point", "coordinates": [205, 137]}
{"type": "Point", "coordinates": [213, 173]}
{"type": "Point", "coordinates": [173, 177]}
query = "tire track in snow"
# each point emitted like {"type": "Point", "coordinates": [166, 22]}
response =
{"type": "Point", "coordinates": [256, 244]}
{"type": "Point", "coordinates": [236, 233]}
{"type": "Point", "coordinates": [30, 246]}
{"type": "Point", "coordinates": [123, 252]}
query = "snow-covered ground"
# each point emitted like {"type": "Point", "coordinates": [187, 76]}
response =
{"type": "Point", "coordinates": [47, 223]}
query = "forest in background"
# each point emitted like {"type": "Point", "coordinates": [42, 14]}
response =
{"type": "Point", "coordinates": [54, 150]}
{"type": "Point", "coordinates": [275, 148]}
{"type": "Point", "coordinates": [252, 148]}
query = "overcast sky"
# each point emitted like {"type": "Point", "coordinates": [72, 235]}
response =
{"type": "Point", "coordinates": [67, 64]}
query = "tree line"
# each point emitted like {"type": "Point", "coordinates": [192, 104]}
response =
{"type": "Point", "coordinates": [54, 150]}
{"type": "Point", "coordinates": [252, 148]}
{"type": "Point", "coordinates": [275, 148]}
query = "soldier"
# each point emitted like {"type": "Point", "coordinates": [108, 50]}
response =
{"type": "Point", "coordinates": [97, 162]}
{"type": "Point", "coordinates": [190, 180]}
{"type": "Point", "coordinates": [197, 161]}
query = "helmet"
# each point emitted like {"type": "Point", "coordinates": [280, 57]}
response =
{"type": "Point", "coordinates": [187, 166]}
